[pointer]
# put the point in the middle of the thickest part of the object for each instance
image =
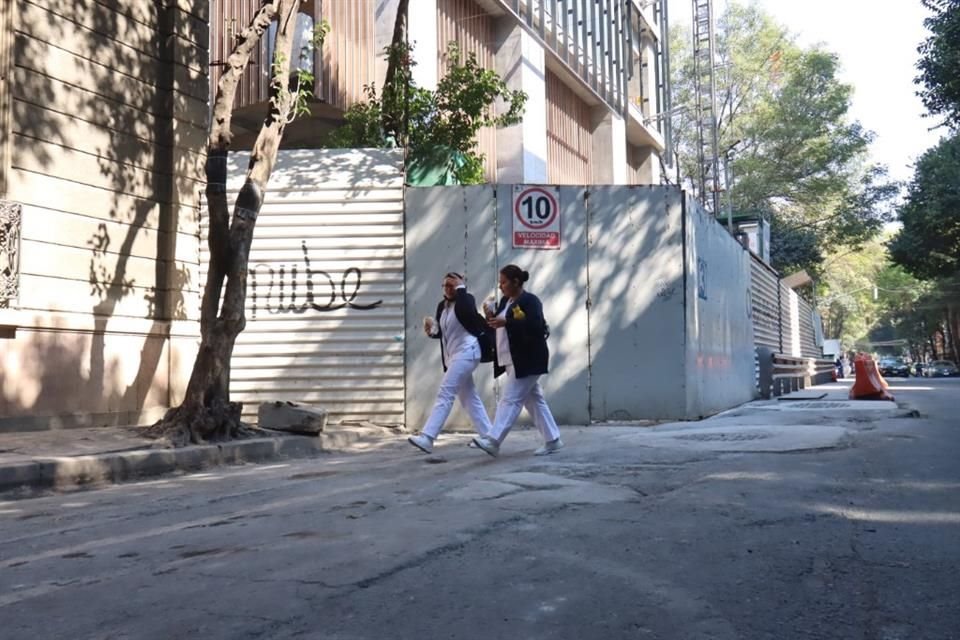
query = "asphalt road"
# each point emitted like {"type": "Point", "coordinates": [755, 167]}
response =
{"type": "Point", "coordinates": [621, 535]}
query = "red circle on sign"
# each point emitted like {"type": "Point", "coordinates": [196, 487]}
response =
{"type": "Point", "coordinates": [554, 208]}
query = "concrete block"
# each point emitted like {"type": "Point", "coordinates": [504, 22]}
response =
{"type": "Point", "coordinates": [292, 417]}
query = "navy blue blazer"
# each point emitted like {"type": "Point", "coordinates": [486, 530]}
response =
{"type": "Point", "coordinates": [465, 308]}
{"type": "Point", "coordinates": [527, 333]}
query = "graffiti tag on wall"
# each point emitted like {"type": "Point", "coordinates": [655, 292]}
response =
{"type": "Point", "coordinates": [701, 278]}
{"type": "Point", "coordinates": [318, 289]}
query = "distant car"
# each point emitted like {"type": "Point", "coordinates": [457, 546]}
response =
{"type": "Point", "coordinates": [941, 369]}
{"type": "Point", "coordinates": [894, 367]}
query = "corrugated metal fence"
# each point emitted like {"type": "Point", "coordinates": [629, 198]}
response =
{"type": "Point", "coordinates": [325, 314]}
{"type": "Point", "coordinates": [782, 320]}
{"type": "Point", "coordinates": [765, 304]}
{"type": "Point", "coordinates": [810, 342]}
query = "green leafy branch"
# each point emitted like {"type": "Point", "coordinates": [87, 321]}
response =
{"type": "Point", "coordinates": [423, 121]}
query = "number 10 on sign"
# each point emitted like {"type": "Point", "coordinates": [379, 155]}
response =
{"type": "Point", "coordinates": [536, 217]}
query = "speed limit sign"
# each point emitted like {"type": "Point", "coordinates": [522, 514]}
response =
{"type": "Point", "coordinates": [536, 217]}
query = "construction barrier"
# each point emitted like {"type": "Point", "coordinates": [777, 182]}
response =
{"type": "Point", "coordinates": [869, 384]}
{"type": "Point", "coordinates": [779, 374]}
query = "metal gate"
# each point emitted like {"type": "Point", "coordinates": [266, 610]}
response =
{"type": "Point", "coordinates": [325, 296]}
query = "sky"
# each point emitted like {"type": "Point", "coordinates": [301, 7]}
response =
{"type": "Point", "coordinates": [877, 46]}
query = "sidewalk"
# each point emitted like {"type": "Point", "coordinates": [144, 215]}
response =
{"type": "Point", "coordinates": [38, 460]}
{"type": "Point", "coordinates": [69, 458]}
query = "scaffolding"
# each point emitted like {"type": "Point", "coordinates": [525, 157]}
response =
{"type": "Point", "coordinates": [705, 94]}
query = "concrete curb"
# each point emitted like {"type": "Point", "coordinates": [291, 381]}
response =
{"type": "Point", "coordinates": [66, 472]}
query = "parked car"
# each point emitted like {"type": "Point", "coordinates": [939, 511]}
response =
{"type": "Point", "coordinates": [894, 367]}
{"type": "Point", "coordinates": [941, 369]}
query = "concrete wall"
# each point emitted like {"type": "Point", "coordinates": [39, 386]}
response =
{"type": "Point", "coordinates": [630, 338]}
{"type": "Point", "coordinates": [719, 353]}
{"type": "Point", "coordinates": [447, 229]}
{"type": "Point", "coordinates": [559, 279]}
{"type": "Point", "coordinates": [468, 229]}
{"type": "Point", "coordinates": [103, 140]}
{"type": "Point", "coordinates": [636, 291]}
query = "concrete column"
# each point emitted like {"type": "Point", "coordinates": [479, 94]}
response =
{"type": "Point", "coordinates": [384, 17]}
{"type": "Point", "coordinates": [422, 33]}
{"type": "Point", "coordinates": [609, 147]}
{"type": "Point", "coordinates": [647, 162]}
{"type": "Point", "coordinates": [522, 148]}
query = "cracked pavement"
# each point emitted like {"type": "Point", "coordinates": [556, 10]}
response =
{"type": "Point", "coordinates": [763, 522]}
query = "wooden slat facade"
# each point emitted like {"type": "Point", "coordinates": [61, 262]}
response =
{"type": "Point", "coordinates": [346, 62]}
{"type": "Point", "coordinates": [227, 20]}
{"type": "Point", "coordinates": [569, 135]}
{"type": "Point", "coordinates": [349, 51]}
{"type": "Point", "coordinates": [106, 115]}
{"type": "Point", "coordinates": [472, 28]}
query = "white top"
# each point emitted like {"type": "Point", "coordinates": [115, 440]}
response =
{"type": "Point", "coordinates": [457, 341]}
{"type": "Point", "coordinates": [503, 343]}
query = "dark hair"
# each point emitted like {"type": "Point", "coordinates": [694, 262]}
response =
{"type": "Point", "coordinates": [513, 272]}
{"type": "Point", "coordinates": [453, 274]}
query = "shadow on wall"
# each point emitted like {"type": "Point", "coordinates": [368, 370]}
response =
{"type": "Point", "coordinates": [325, 290]}
{"type": "Point", "coordinates": [95, 115]}
{"type": "Point", "coordinates": [50, 374]}
{"type": "Point", "coordinates": [637, 304]}
{"type": "Point", "coordinates": [635, 280]}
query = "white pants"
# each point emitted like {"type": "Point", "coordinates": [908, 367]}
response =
{"type": "Point", "coordinates": [517, 394]}
{"type": "Point", "coordinates": [458, 383]}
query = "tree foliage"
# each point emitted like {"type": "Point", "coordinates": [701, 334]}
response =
{"type": "Point", "coordinates": [919, 282]}
{"type": "Point", "coordinates": [422, 120]}
{"type": "Point", "coordinates": [795, 154]}
{"type": "Point", "coordinates": [846, 294]}
{"type": "Point", "coordinates": [865, 298]}
{"type": "Point", "coordinates": [939, 64]}
{"type": "Point", "coordinates": [928, 245]}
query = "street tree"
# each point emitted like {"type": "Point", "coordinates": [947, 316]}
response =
{"type": "Point", "coordinates": [206, 412]}
{"type": "Point", "coordinates": [795, 154]}
{"type": "Point", "coordinates": [913, 311]}
{"type": "Point", "coordinates": [864, 298]}
{"type": "Point", "coordinates": [939, 63]}
{"type": "Point", "coordinates": [928, 244]}
{"type": "Point", "coordinates": [846, 293]}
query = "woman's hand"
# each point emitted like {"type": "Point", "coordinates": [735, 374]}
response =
{"type": "Point", "coordinates": [496, 323]}
{"type": "Point", "coordinates": [490, 307]}
{"type": "Point", "coordinates": [429, 326]}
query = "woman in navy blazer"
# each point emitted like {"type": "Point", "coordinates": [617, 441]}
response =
{"type": "Point", "coordinates": [521, 353]}
{"type": "Point", "coordinates": [464, 343]}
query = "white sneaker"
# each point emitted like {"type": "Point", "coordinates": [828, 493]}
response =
{"type": "Point", "coordinates": [488, 444]}
{"type": "Point", "coordinates": [549, 447]}
{"type": "Point", "coordinates": [422, 441]}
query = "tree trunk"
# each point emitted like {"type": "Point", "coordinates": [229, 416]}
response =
{"type": "Point", "coordinates": [207, 412]}
{"type": "Point", "coordinates": [953, 332]}
{"type": "Point", "coordinates": [396, 60]}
